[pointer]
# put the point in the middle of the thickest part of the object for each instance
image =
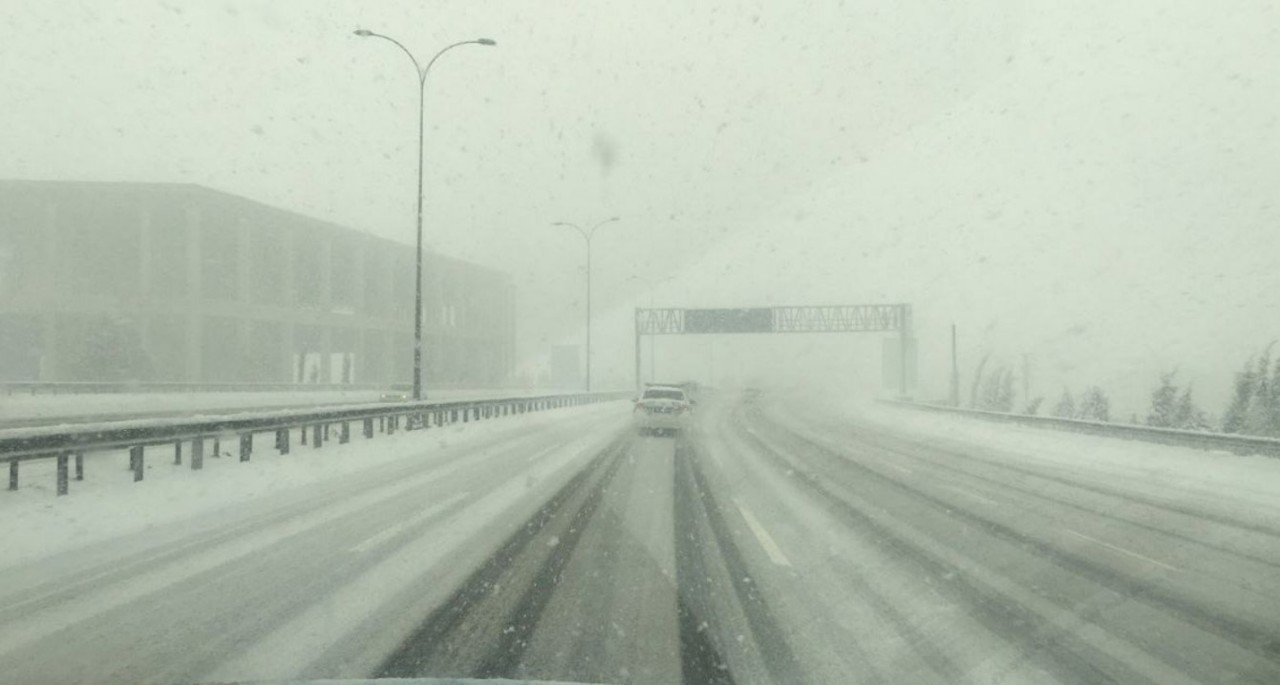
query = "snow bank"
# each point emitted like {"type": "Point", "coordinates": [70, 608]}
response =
{"type": "Point", "coordinates": [44, 407]}
{"type": "Point", "coordinates": [108, 503]}
{"type": "Point", "coordinates": [1252, 480]}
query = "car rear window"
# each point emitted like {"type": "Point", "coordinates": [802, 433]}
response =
{"type": "Point", "coordinates": [664, 394]}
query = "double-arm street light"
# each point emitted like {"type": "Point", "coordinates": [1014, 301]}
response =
{"type": "Point", "coordinates": [422, 100]}
{"type": "Point", "coordinates": [587, 234]}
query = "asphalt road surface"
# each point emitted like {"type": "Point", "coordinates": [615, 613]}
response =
{"type": "Point", "coordinates": [769, 545]}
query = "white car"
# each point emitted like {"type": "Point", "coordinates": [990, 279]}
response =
{"type": "Point", "coordinates": [662, 409]}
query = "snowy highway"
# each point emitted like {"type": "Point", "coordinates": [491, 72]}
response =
{"type": "Point", "coordinates": [778, 542]}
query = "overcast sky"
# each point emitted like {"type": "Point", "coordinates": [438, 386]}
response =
{"type": "Point", "coordinates": [1091, 183]}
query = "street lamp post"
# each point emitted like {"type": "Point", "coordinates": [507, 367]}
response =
{"type": "Point", "coordinates": [587, 234]}
{"type": "Point", "coordinates": [422, 101]}
{"type": "Point", "coordinates": [653, 340]}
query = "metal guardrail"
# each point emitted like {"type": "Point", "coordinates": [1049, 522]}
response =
{"type": "Point", "coordinates": [66, 444]}
{"type": "Point", "coordinates": [1229, 442]}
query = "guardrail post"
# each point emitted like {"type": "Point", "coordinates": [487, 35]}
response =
{"type": "Point", "coordinates": [344, 436]}
{"type": "Point", "coordinates": [315, 436]}
{"type": "Point", "coordinates": [62, 474]}
{"type": "Point", "coordinates": [368, 429]}
{"type": "Point", "coordinates": [391, 425]}
{"type": "Point", "coordinates": [135, 462]}
{"type": "Point", "coordinates": [326, 432]}
{"type": "Point", "coordinates": [246, 446]}
{"type": "Point", "coordinates": [79, 465]}
{"type": "Point", "coordinates": [282, 440]}
{"type": "Point", "coordinates": [177, 452]}
{"type": "Point", "coordinates": [217, 447]}
{"type": "Point", "coordinates": [453, 416]}
{"type": "Point", "coordinates": [13, 474]}
{"type": "Point", "coordinates": [197, 454]}
{"type": "Point", "coordinates": [382, 424]}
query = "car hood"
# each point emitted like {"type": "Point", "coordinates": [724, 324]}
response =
{"type": "Point", "coordinates": [403, 681]}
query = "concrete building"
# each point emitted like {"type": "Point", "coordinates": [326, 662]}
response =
{"type": "Point", "coordinates": [171, 282]}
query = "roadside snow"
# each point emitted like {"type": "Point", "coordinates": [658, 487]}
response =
{"type": "Point", "coordinates": [1252, 480]}
{"type": "Point", "coordinates": [107, 503]}
{"type": "Point", "coordinates": [44, 407]}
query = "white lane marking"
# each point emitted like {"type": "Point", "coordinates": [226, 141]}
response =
{"type": "Point", "coordinates": [901, 469]}
{"type": "Point", "coordinates": [388, 533]}
{"type": "Point", "coordinates": [985, 500]}
{"type": "Point", "coordinates": [1122, 550]}
{"type": "Point", "coordinates": [770, 547]}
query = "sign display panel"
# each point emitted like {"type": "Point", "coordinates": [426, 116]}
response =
{"type": "Point", "coordinates": [757, 320]}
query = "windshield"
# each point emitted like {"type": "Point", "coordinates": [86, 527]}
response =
{"type": "Point", "coordinates": [730, 341]}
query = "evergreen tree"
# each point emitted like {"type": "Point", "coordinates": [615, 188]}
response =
{"type": "Point", "coordinates": [1164, 400]}
{"type": "Point", "coordinates": [977, 381]}
{"type": "Point", "coordinates": [997, 393]}
{"type": "Point", "coordinates": [1187, 415]}
{"type": "Point", "coordinates": [1066, 408]}
{"type": "Point", "coordinates": [1275, 399]}
{"type": "Point", "coordinates": [989, 393]}
{"type": "Point", "coordinates": [1094, 405]}
{"type": "Point", "coordinates": [1257, 418]}
{"type": "Point", "coordinates": [1033, 407]}
{"type": "Point", "coordinates": [1007, 393]}
{"type": "Point", "coordinates": [1233, 421]}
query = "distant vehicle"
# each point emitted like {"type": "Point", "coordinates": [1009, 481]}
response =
{"type": "Point", "coordinates": [691, 388]}
{"type": "Point", "coordinates": [663, 409]}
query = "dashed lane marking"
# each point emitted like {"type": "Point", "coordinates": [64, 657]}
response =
{"type": "Point", "coordinates": [388, 533]}
{"type": "Point", "coordinates": [770, 547]}
{"type": "Point", "coordinates": [973, 495]}
{"type": "Point", "coordinates": [1122, 550]}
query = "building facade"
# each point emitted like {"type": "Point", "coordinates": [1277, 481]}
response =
{"type": "Point", "coordinates": [172, 282]}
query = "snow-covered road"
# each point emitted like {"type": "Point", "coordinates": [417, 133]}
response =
{"type": "Point", "coordinates": [776, 543]}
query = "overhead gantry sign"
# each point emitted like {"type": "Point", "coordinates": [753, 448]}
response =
{"type": "Point", "coordinates": [852, 318]}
